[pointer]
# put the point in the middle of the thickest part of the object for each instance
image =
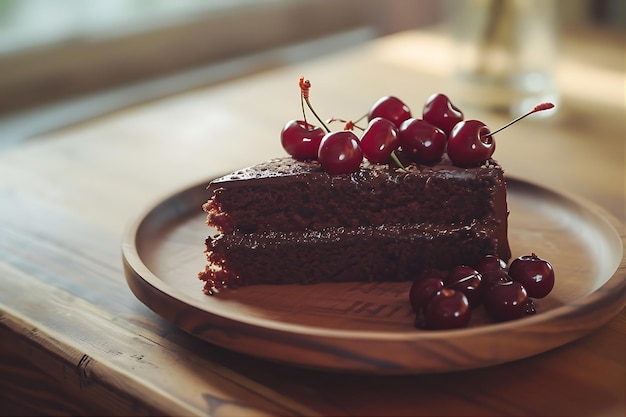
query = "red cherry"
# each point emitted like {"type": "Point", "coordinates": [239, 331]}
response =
{"type": "Point", "coordinates": [379, 140]}
{"type": "Point", "coordinates": [530, 307]}
{"type": "Point", "coordinates": [301, 139]}
{"type": "Point", "coordinates": [493, 277]}
{"type": "Point", "coordinates": [470, 144]}
{"type": "Point", "coordinates": [467, 280]}
{"type": "Point", "coordinates": [447, 309]}
{"type": "Point", "coordinates": [506, 301]}
{"type": "Point", "coordinates": [534, 273]}
{"type": "Point", "coordinates": [340, 152]}
{"type": "Point", "coordinates": [440, 112]}
{"type": "Point", "coordinates": [390, 108]}
{"type": "Point", "coordinates": [490, 263]}
{"type": "Point", "coordinates": [421, 292]}
{"type": "Point", "coordinates": [421, 141]}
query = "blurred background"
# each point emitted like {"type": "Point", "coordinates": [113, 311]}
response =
{"type": "Point", "coordinates": [62, 61]}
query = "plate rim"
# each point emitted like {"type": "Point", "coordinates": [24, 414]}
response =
{"type": "Point", "coordinates": [135, 269]}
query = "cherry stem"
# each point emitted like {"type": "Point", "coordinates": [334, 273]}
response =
{"type": "Point", "coordinates": [360, 118]}
{"type": "Point", "coordinates": [350, 125]}
{"type": "Point", "coordinates": [308, 103]}
{"type": "Point", "coordinates": [537, 108]}
{"type": "Point", "coordinates": [303, 112]}
{"type": "Point", "coordinates": [305, 86]}
{"type": "Point", "coordinates": [395, 159]}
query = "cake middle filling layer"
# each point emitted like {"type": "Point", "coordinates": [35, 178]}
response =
{"type": "Point", "coordinates": [338, 254]}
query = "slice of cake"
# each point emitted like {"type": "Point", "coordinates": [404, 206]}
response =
{"type": "Point", "coordinates": [286, 221]}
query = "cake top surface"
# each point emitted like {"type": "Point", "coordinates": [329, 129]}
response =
{"type": "Point", "coordinates": [284, 168]}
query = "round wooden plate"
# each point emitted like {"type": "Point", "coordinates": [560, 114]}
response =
{"type": "Point", "coordinates": [367, 327]}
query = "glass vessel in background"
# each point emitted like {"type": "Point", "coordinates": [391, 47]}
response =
{"type": "Point", "coordinates": [505, 53]}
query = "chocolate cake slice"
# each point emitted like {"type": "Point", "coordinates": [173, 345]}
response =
{"type": "Point", "coordinates": [286, 221]}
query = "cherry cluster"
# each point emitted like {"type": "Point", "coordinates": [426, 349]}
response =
{"type": "Point", "coordinates": [392, 128]}
{"type": "Point", "coordinates": [505, 293]}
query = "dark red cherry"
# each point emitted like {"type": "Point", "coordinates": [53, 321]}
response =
{"type": "Point", "coordinates": [390, 108]}
{"type": "Point", "coordinates": [421, 141]}
{"type": "Point", "coordinates": [340, 152]}
{"type": "Point", "coordinates": [534, 273]}
{"type": "Point", "coordinates": [494, 276]}
{"type": "Point", "coordinates": [470, 144]}
{"type": "Point", "coordinates": [440, 112]}
{"type": "Point", "coordinates": [421, 292]}
{"type": "Point", "coordinates": [467, 280]}
{"type": "Point", "coordinates": [301, 139]}
{"type": "Point", "coordinates": [447, 309]}
{"type": "Point", "coordinates": [506, 301]}
{"type": "Point", "coordinates": [379, 140]}
{"type": "Point", "coordinates": [490, 263]}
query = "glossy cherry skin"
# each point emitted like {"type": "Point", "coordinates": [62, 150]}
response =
{"type": "Point", "coordinates": [379, 140]}
{"type": "Point", "coordinates": [390, 108]}
{"type": "Point", "coordinates": [506, 301]}
{"type": "Point", "coordinates": [301, 139]}
{"type": "Point", "coordinates": [490, 263]}
{"type": "Point", "coordinates": [534, 273]}
{"type": "Point", "coordinates": [494, 276]}
{"type": "Point", "coordinates": [467, 280]}
{"type": "Point", "coordinates": [340, 152]}
{"type": "Point", "coordinates": [470, 144]}
{"type": "Point", "coordinates": [530, 307]}
{"type": "Point", "coordinates": [421, 292]}
{"type": "Point", "coordinates": [421, 141]}
{"type": "Point", "coordinates": [447, 309]}
{"type": "Point", "coordinates": [440, 112]}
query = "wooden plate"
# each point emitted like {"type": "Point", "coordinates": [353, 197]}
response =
{"type": "Point", "coordinates": [367, 327]}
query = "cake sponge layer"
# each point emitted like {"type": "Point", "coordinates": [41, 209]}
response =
{"type": "Point", "coordinates": [366, 253]}
{"type": "Point", "coordinates": [275, 197]}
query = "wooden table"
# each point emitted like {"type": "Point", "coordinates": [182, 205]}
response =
{"type": "Point", "coordinates": [74, 339]}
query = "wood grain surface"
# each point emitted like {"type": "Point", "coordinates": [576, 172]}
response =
{"type": "Point", "coordinates": [75, 340]}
